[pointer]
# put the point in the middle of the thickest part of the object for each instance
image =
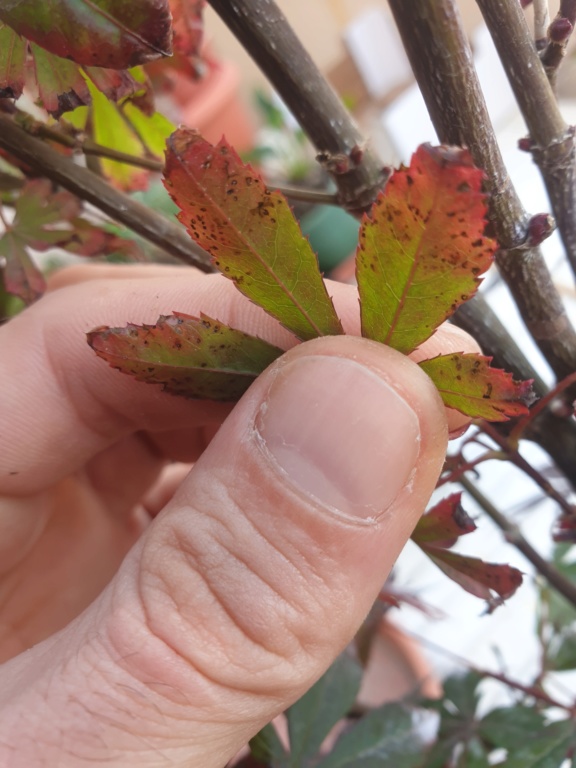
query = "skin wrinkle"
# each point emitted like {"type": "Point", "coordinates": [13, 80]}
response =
{"type": "Point", "coordinates": [213, 501]}
{"type": "Point", "coordinates": [202, 570]}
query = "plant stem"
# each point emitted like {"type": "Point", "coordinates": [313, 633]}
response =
{"type": "Point", "coordinates": [519, 461]}
{"type": "Point", "coordinates": [265, 33]}
{"type": "Point", "coordinates": [140, 218]}
{"type": "Point", "coordinates": [87, 146]}
{"type": "Point", "coordinates": [553, 140]}
{"type": "Point", "coordinates": [305, 195]}
{"type": "Point", "coordinates": [553, 432]}
{"type": "Point", "coordinates": [513, 535]}
{"type": "Point", "coordinates": [440, 55]}
{"type": "Point", "coordinates": [529, 690]}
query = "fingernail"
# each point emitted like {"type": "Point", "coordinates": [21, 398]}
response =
{"type": "Point", "coordinates": [341, 434]}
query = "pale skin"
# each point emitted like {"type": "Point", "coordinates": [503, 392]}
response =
{"type": "Point", "coordinates": [152, 617]}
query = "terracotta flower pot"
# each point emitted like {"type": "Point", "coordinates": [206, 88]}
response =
{"type": "Point", "coordinates": [212, 105]}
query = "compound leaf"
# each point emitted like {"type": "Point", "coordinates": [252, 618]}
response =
{"type": "Point", "coordinates": [190, 356]}
{"type": "Point", "coordinates": [467, 383]}
{"type": "Point", "coordinates": [101, 33]}
{"type": "Point", "coordinates": [250, 232]}
{"type": "Point", "coordinates": [422, 248]}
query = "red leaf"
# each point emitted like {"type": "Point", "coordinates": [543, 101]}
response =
{"type": "Point", "coordinates": [21, 277]}
{"type": "Point", "coordinates": [484, 580]}
{"type": "Point", "coordinates": [250, 232]}
{"type": "Point", "coordinates": [101, 33]}
{"type": "Point", "coordinates": [467, 383]}
{"type": "Point", "coordinates": [422, 248]}
{"type": "Point", "coordinates": [190, 356]}
{"type": "Point", "coordinates": [444, 523]}
{"type": "Point", "coordinates": [116, 84]}
{"type": "Point", "coordinates": [188, 26]}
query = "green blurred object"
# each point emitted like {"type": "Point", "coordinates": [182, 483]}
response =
{"type": "Point", "coordinates": [332, 232]}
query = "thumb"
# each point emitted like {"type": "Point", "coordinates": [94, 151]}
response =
{"type": "Point", "coordinates": [251, 581]}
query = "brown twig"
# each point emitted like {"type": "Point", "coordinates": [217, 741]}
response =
{"type": "Point", "coordinates": [265, 33]}
{"type": "Point", "coordinates": [441, 58]}
{"type": "Point", "coordinates": [140, 218]}
{"type": "Point", "coordinates": [552, 139]}
{"type": "Point", "coordinates": [514, 456]}
{"type": "Point", "coordinates": [513, 535]}
{"type": "Point", "coordinates": [530, 690]}
{"type": "Point", "coordinates": [315, 196]}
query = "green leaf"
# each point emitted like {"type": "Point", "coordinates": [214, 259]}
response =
{"type": "Point", "coordinates": [510, 727]}
{"type": "Point", "coordinates": [12, 62]}
{"type": "Point", "coordinates": [130, 131]}
{"type": "Point", "coordinates": [422, 248]}
{"type": "Point", "coordinates": [384, 738]}
{"type": "Point", "coordinates": [190, 356]}
{"type": "Point", "coordinates": [101, 33]}
{"type": "Point", "coordinates": [61, 86]}
{"type": "Point", "coordinates": [547, 749]}
{"type": "Point", "coordinates": [458, 724]}
{"type": "Point", "coordinates": [267, 748]}
{"type": "Point", "coordinates": [311, 718]}
{"type": "Point", "coordinates": [462, 692]}
{"type": "Point", "coordinates": [564, 657]}
{"type": "Point", "coordinates": [467, 383]}
{"type": "Point", "coordinates": [444, 523]}
{"type": "Point", "coordinates": [250, 232]}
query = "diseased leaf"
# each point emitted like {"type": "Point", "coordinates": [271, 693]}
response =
{"type": "Point", "coordinates": [444, 523]}
{"type": "Point", "coordinates": [116, 84]}
{"type": "Point", "coordinates": [12, 61]}
{"type": "Point", "coordinates": [312, 717]}
{"type": "Point", "coordinates": [61, 86]}
{"type": "Point", "coordinates": [250, 232]}
{"type": "Point", "coordinates": [190, 356]}
{"type": "Point", "coordinates": [422, 248]}
{"type": "Point", "coordinates": [467, 383]}
{"type": "Point", "coordinates": [21, 276]}
{"type": "Point", "coordinates": [45, 219]}
{"type": "Point", "coordinates": [101, 33]}
{"type": "Point", "coordinates": [475, 576]}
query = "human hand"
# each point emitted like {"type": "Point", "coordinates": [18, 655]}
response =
{"type": "Point", "coordinates": [172, 641]}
